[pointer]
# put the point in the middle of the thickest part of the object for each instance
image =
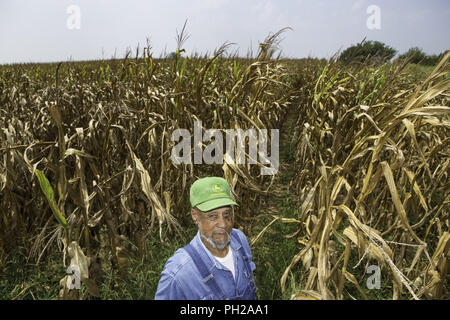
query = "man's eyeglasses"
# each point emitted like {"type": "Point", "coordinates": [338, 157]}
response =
{"type": "Point", "coordinates": [213, 217]}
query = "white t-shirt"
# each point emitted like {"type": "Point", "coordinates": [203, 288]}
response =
{"type": "Point", "coordinates": [227, 261]}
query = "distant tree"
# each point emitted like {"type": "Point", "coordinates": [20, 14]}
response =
{"type": "Point", "coordinates": [415, 55]}
{"type": "Point", "coordinates": [172, 55]}
{"type": "Point", "coordinates": [435, 59]}
{"type": "Point", "coordinates": [432, 60]}
{"type": "Point", "coordinates": [372, 50]}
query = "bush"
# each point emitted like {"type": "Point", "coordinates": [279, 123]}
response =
{"type": "Point", "coordinates": [373, 50]}
{"type": "Point", "coordinates": [417, 56]}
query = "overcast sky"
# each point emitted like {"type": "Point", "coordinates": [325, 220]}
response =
{"type": "Point", "coordinates": [47, 30]}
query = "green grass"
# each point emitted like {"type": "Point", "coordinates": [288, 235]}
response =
{"type": "Point", "coordinates": [273, 253]}
{"type": "Point", "coordinates": [20, 280]}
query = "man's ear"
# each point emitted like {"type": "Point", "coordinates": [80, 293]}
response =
{"type": "Point", "coordinates": [194, 215]}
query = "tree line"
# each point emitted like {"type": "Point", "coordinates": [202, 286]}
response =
{"type": "Point", "coordinates": [380, 52]}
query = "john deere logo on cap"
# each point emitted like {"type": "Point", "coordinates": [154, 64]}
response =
{"type": "Point", "coordinates": [217, 190]}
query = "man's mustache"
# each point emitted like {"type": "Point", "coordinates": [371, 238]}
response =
{"type": "Point", "coordinates": [228, 233]}
{"type": "Point", "coordinates": [215, 244]}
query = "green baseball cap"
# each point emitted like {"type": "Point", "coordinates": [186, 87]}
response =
{"type": "Point", "coordinates": [210, 193]}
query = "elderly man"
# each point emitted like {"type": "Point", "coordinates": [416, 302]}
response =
{"type": "Point", "coordinates": [217, 263]}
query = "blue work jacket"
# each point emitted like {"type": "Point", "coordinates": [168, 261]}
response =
{"type": "Point", "coordinates": [181, 279]}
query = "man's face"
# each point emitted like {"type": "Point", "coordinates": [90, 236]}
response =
{"type": "Point", "coordinates": [215, 225]}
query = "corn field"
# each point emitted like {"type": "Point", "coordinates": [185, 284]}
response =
{"type": "Point", "coordinates": [86, 147]}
